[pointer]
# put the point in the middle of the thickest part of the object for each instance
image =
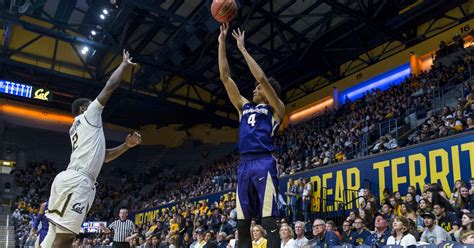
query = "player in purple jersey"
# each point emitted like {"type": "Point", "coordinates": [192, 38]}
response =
{"type": "Point", "coordinates": [257, 181]}
{"type": "Point", "coordinates": [40, 218]}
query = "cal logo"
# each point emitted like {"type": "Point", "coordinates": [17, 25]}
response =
{"type": "Point", "coordinates": [77, 208]}
{"type": "Point", "coordinates": [41, 94]}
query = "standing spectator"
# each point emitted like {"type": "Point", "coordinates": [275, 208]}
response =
{"type": "Point", "coordinates": [381, 234]}
{"type": "Point", "coordinates": [360, 233]}
{"type": "Point", "coordinates": [433, 233]}
{"type": "Point", "coordinates": [301, 240]}
{"type": "Point", "coordinates": [322, 237]}
{"type": "Point", "coordinates": [286, 235]}
{"type": "Point", "coordinates": [306, 199]}
{"type": "Point", "coordinates": [282, 206]}
{"type": "Point", "coordinates": [124, 230]}
{"type": "Point", "coordinates": [293, 194]}
{"type": "Point", "coordinates": [401, 233]}
{"type": "Point", "coordinates": [446, 220]}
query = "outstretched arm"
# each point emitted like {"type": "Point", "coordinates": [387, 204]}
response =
{"type": "Point", "coordinates": [132, 140]}
{"type": "Point", "coordinates": [115, 79]}
{"type": "Point", "coordinates": [232, 91]}
{"type": "Point", "coordinates": [260, 76]}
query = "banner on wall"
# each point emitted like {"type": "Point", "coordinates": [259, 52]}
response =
{"type": "Point", "coordinates": [442, 161]}
{"type": "Point", "coordinates": [150, 214]}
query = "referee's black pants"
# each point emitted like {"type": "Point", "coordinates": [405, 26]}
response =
{"type": "Point", "coordinates": [120, 245]}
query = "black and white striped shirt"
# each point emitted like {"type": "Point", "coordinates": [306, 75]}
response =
{"type": "Point", "coordinates": [122, 229]}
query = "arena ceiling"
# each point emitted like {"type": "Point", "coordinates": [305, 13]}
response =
{"type": "Point", "coordinates": [304, 44]}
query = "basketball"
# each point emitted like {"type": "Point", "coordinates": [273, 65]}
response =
{"type": "Point", "coordinates": [223, 10]}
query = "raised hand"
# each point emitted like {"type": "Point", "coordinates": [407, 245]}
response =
{"type": "Point", "coordinates": [133, 139]}
{"type": "Point", "coordinates": [239, 37]}
{"type": "Point", "coordinates": [127, 59]}
{"type": "Point", "coordinates": [224, 29]}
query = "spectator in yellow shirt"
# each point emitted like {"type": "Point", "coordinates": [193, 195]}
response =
{"type": "Point", "coordinates": [174, 227]}
{"type": "Point", "coordinates": [258, 237]}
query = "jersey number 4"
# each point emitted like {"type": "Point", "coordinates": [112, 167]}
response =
{"type": "Point", "coordinates": [251, 120]}
{"type": "Point", "coordinates": [74, 141]}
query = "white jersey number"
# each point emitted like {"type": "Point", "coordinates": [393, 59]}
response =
{"type": "Point", "coordinates": [251, 120]}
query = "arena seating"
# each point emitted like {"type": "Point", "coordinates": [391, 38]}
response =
{"type": "Point", "coordinates": [354, 130]}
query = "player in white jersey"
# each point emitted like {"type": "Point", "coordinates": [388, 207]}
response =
{"type": "Point", "coordinates": [73, 190]}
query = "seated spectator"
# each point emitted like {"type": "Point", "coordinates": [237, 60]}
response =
{"type": "Point", "coordinates": [381, 233]}
{"type": "Point", "coordinates": [433, 233]}
{"type": "Point", "coordinates": [225, 226]}
{"type": "Point", "coordinates": [258, 237]}
{"type": "Point", "coordinates": [286, 235]}
{"type": "Point", "coordinates": [200, 242]}
{"type": "Point", "coordinates": [360, 233]}
{"type": "Point", "coordinates": [388, 209]}
{"type": "Point", "coordinates": [468, 238]}
{"type": "Point", "coordinates": [232, 242]}
{"type": "Point", "coordinates": [470, 123]}
{"type": "Point", "coordinates": [221, 240]}
{"type": "Point", "coordinates": [209, 238]}
{"type": "Point", "coordinates": [401, 233]}
{"type": "Point", "coordinates": [331, 226]}
{"type": "Point", "coordinates": [407, 212]}
{"type": "Point", "coordinates": [347, 234]}
{"type": "Point", "coordinates": [187, 240]}
{"type": "Point", "coordinates": [392, 142]}
{"type": "Point", "coordinates": [466, 225]}
{"type": "Point", "coordinates": [410, 200]}
{"type": "Point", "coordinates": [322, 237]}
{"type": "Point", "coordinates": [155, 241]}
{"type": "Point", "coordinates": [300, 240]}
{"type": "Point", "coordinates": [446, 220]}
{"type": "Point", "coordinates": [464, 202]}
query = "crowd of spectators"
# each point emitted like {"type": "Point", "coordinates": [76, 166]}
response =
{"type": "Point", "coordinates": [333, 136]}
{"type": "Point", "coordinates": [35, 181]}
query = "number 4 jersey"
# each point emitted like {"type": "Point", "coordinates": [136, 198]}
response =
{"type": "Point", "coordinates": [257, 127]}
{"type": "Point", "coordinates": [88, 141]}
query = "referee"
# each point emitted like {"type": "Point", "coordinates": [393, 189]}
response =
{"type": "Point", "coordinates": [124, 230]}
